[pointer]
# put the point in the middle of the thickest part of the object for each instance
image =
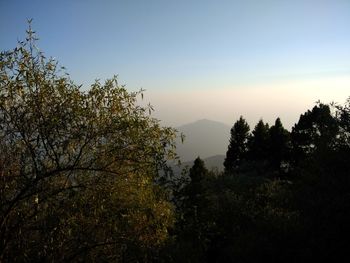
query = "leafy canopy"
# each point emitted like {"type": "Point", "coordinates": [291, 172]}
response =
{"type": "Point", "coordinates": [63, 149]}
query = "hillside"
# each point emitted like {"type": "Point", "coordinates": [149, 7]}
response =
{"type": "Point", "coordinates": [204, 138]}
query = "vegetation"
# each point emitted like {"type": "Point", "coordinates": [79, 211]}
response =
{"type": "Point", "coordinates": [84, 177]}
{"type": "Point", "coordinates": [287, 199]}
{"type": "Point", "coordinates": [77, 168]}
{"type": "Point", "coordinates": [237, 149]}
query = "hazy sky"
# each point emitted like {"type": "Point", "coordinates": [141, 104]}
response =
{"type": "Point", "coordinates": [199, 59]}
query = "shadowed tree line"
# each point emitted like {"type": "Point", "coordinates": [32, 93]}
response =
{"type": "Point", "coordinates": [284, 196]}
{"type": "Point", "coordinates": [84, 178]}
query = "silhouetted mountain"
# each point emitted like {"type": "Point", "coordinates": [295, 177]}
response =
{"type": "Point", "coordinates": [204, 138]}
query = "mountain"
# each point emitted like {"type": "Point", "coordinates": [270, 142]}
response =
{"type": "Point", "coordinates": [204, 138]}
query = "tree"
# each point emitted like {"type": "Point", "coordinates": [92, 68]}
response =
{"type": "Point", "coordinates": [343, 120]}
{"type": "Point", "coordinates": [237, 148]}
{"type": "Point", "coordinates": [198, 171]}
{"type": "Point", "coordinates": [77, 169]}
{"type": "Point", "coordinates": [190, 227]}
{"type": "Point", "coordinates": [258, 142]}
{"type": "Point", "coordinates": [321, 137]}
{"type": "Point", "coordinates": [316, 130]}
{"type": "Point", "coordinates": [278, 147]}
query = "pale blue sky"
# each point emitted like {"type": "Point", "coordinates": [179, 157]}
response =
{"type": "Point", "coordinates": [174, 46]}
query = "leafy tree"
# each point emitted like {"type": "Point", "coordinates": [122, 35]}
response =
{"type": "Point", "coordinates": [237, 148]}
{"type": "Point", "coordinates": [322, 181]}
{"type": "Point", "coordinates": [343, 120]}
{"type": "Point", "coordinates": [316, 130]}
{"type": "Point", "coordinates": [77, 169]}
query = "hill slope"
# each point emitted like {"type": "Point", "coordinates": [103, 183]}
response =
{"type": "Point", "coordinates": [204, 138]}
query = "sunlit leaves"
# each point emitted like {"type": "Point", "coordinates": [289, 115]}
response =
{"type": "Point", "coordinates": [72, 158]}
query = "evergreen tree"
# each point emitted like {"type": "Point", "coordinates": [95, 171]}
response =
{"type": "Point", "coordinates": [197, 173]}
{"type": "Point", "coordinates": [191, 227]}
{"type": "Point", "coordinates": [278, 145]}
{"type": "Point", "coordinates": [237, 148]}
{"type": "Point", "coordinates": [258, 142]}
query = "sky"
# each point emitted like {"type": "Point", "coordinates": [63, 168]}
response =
{"type": "Point", "coordinates": [199, 59]}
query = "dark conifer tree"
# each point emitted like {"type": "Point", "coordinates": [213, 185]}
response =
{"type": "Point", "coordinates": [237, 148]}
{"type": "Point", "coordinates": [258, 142]}
{"type": "Point", "coordinates": [279, 144]}
{"type": "Point", "coordinates": [194, 206]}
{"type": "Point", "coordinates": [198, 171]}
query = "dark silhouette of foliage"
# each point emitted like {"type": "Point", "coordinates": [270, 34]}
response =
{"type": "Point", "coordinates": [323, 182]}
{"type": "Point", "coordinates": [343, 120]}
{"type": "Point", "coordinates": [316, 129]}
{"type": "Point", "coordinates": [278, 145]}
{"type": "Point", "coordinates": [255, 216]}
{"type": "Point", "coordinates": [190, 227]}
{"type": "Point", "coordinates": [237, 147]}
{"type": "Point", "coordinates": [198, 171]}
{"type": "Point", "coordinates": [258, 142]}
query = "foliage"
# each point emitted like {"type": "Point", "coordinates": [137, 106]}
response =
{"type": "Point", "coordinates": [237, 147]}
{"type": "Point", "coordinates": [263, 152]}
{"type": "Point", "coordinates": [189, 242]}
{"type": "Point", "coordinates": [262, 215]}
{"type": "Point", "coordinates": [77, 168]}
{"type": "Point", "coordinates": [198, 171]}
{"type": "Point", "coordinates": [238, 216]}
{"type": "Point", "coordinates": [258, 142]}
{"type": "Point", "coordinates": [323, 183]}
{"type": "Point", "coordinates": [316, 129]}
{"type": "Point", "coordinates": [279, 145]}
{"type": "Point", "coordinates": [81, 173]}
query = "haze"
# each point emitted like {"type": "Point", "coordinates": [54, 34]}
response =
{"type": "Point", "coordinates": [199, 59]}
